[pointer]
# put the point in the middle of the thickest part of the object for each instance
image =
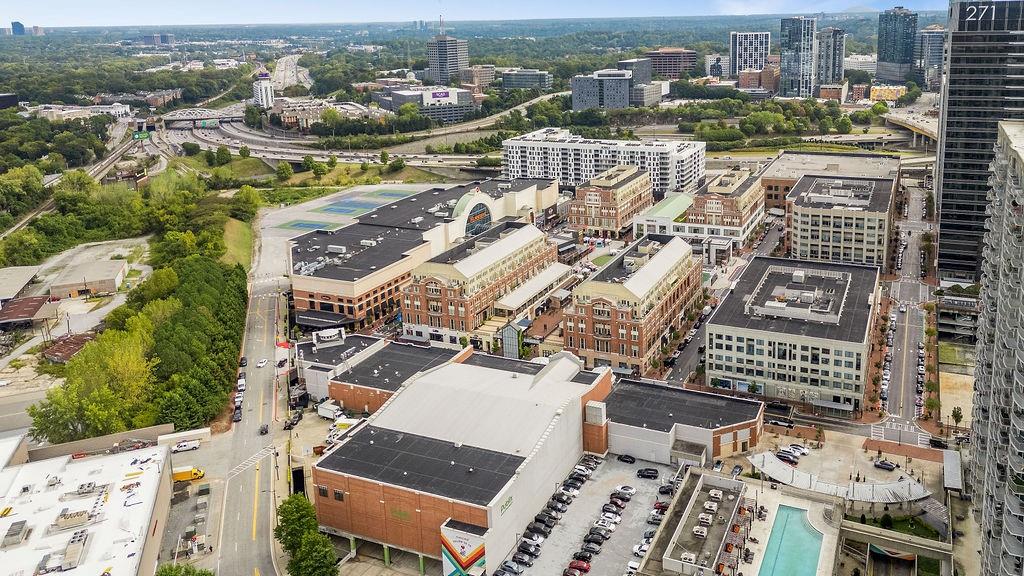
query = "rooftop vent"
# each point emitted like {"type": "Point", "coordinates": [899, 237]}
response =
{"type": "Point", "coordinates": [16, 534]}
{"type": "Point", "coordinates": [75, 550]}
{"type": "Point", "coordinates": [71, 519]}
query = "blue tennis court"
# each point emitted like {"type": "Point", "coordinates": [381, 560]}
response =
{"type": "Point", "coordinates": [389, 194]}
{"type": "Point", "coordinates": [307, 225]}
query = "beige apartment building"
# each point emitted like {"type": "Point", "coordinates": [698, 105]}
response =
{"type": "Point", "coordinates": [606, 205]}
{"type": "Point", "coordinates": [625, 313]}
{"type": "Point", "coordinates": [468, 293]}
{"type": "Point", "coordinates": [787, 168]}
{"type": "Point", "coordinates": [840, 219]}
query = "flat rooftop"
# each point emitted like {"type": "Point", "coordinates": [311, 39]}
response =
{"type": "Point", "coordinates": [643, 263]}
{"type": "Point", "coordinates": [466, 473]}
{"type": "Point", "coordinates": [333, 353]}
{"type": "Point", "coordinates": [478, 252]}
{"type": "Point", "coordinates": [672, 206]}
{"type": "Point", "coordinates": [394, 364]}
{"type": "Point", "coordinates": [841, 192]}
{"type": "Point", "coordinates": [710, 547]}
{"type": "Point", "coordinates": [111, 499]}
{"type": "Point", "coordinates": [90, 272]}
{"type": "Point", "coordinates": [793, 165]}
{"type": "Point", "coordinates": [660, 407]}
{"type": "Point", "coordinates": [564, 136]}
{"type": "Point", "coordinates": [733, 182]}
{"type": "Point", "coordinates": [830, 301]}
{"type": "Point", "coordinates": [616, 177]}
{"type": "Point", "coordinates": [14, 279]}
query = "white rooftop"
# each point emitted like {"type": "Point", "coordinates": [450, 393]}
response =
{"type": "Point", "coordinates": [14, 279]}
{"type": "Point", "coordinates": [488, 408]}
{"type": "Point", "coordinates": [111, 498]}
{"type": "Point", "coordinates": [792, 165]}
{"type": "Point", "coordinates": [499, 249]}
{"type": "Point", "coordinates": [658, 267]}
{"type": "Point", "coordinates": [531, 288]}
{"type": "Point", "coordinates": [90, 272]}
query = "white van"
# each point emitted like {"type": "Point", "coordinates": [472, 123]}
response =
{"type": "Point", "coordinates": [185, 446]}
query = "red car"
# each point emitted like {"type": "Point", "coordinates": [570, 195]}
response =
{"type": "Point", "coordinates": [659, 505]}
{"type": "Point", "coordinates": [580, 565]}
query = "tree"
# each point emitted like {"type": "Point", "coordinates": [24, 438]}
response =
{"type": "Point", "coordinates": [408, 109]}
{"type": "Point", "coordinates": [315, 557]}
{"type": "Point", "coordinates": [886, 521]}
{"type": "Point", "coordinates": [384, 156]}
{"type": "Point", "coordinates": [181, 570]}
{"type": "Point", "coordinates": [245, 203]}
{"type": "Point", "coordinates": [307, 163]}
{"type": "Point", "coordinates": [488, 161]}
{"type": "Point", "coordinates": [284, 171]}
{"type": "Point", "coordinates": [932, 404]}
{"type": "Point", "coordinates": [253, 118]}
{"type": "Point", "coordinates": [332, 162]}
{"type": "Point", "coordinates": [332, 118]}
{"type": "Point", "coordinates": [211, 158]}
{"type": "Point", "coordinates": [319, 170]}
{"type": "Point", "coordinates": [244, 152]}
{"type": "Point", "coordinates": [223, 156]}
{"type": "Point", "coordinates": [363, 166]}
{"type": "Point", "coordinates": [190, 148]}
{"type": "Point", "coordinates": [295, 518]}
{"type": "Point", "coordinates": [957, 414]}
{"type": "Point", "coordinates": [825, 125]}
{"type": "Point", "coordinates": [396, 165]}
{"type": "Point", "coordinates": [844, 125]}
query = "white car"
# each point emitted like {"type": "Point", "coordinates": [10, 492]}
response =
{"type": "Point", "coordinates": [185, 445]}
{"type": "Point", "coordinates": [639, 550]}
{"type": "Point", "coordinates": [611, 517]}
{"type": "Point", "coordinates": [609, 526]}
{"type": "Point", "coordinates": [803, 450]}
{"type": "Point", "coordinates": [583, 471]}
{"type": "Point", "coordinates": [920, 369]}
{"type": "Point", "coordinates": [261, 363]}
{"type": "Point", "coordinates": [571, 492]}
{"type": "Point", "coordinates": [626, 489]}
{"type": "Point", "coordinates": [903, 308]}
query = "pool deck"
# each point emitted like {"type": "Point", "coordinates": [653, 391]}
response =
{"type": "Point", "coordinates": [772, 499]}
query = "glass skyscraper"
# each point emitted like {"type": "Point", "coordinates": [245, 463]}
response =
{"type": "Point", "coordinates": [799, 57]}
{"type": "Point", "coordinates": [896, 31]}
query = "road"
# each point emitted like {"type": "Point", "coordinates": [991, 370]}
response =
{"type": "Point", "coordinates": [13, 419]}
{"type": "Point", "coordinates": [289, 73]}
{"type": "Point", "coordinates": [484, 122]}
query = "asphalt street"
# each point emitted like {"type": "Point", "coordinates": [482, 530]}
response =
{"type": "Point", "coordinates": [287, 73]}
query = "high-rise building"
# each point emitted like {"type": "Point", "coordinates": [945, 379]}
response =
{"type": "Point", "coordinates": [997, 470]}
{"type": "Point", "coordinates": [263, 91]}
{"type": "Point", "coordinates": [748, 51]}
{"type": "Point", "coordinates": [980, 89]}
{"type": "Point", "coordinates": [38, 31]}
{"type": "Point", "coordinates": [17, 28]}
{"type": "Point", "coordinates": [831, 53]}
{"type": "Point", "coordinates": [928, 46]}
{"type": "Point", "coordinates": [641, 68]}
{"type": "Point", "coordinates": [608, 89]}
{"type": "Point", "coordinates": [671, 63]}
{"type": "Point", "coordinates": [866, 62]}
{"type": "Point", "coordinates": [896, 30]}
{"type": "Point", "coordinates": [167, 39]}
{"type": "Point", "coordinates": [526, 78]}
{"type": "Point", "coordinates": [799, 56]}
{"type": "Point", "coordinates": [446, 58]}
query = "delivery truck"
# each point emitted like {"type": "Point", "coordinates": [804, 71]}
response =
{"type": "Point", "coordinates": [186, 473]}
{"type": "Point", "coordinates": [329, 409]}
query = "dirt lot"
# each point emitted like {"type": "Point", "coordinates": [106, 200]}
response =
{"type": "Point", "coordinates": [956, 390]}
{"type": "Point", "coordinates": [130, 248]}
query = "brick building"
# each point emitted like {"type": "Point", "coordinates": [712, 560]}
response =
{"type": "Point", "coordinates": [670, 62]}
{"type": "Point", "coordinates": [605, 205]}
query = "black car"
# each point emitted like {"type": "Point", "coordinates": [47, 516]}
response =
{"type": "Point", "coordinates": [938, 443]}
{"type": "Point", "coordinates": [577, 477]}
{"type": "Point", "coordinates": [574, 484]}
{"type": "Point", "coordinates": [529, 549]}
{"type": "Point", "coordinates": [594, 539]}
{"type": "Point", "coordinates": [649, 533]}
{"type": "Point", "coordinates": [649, 473]}
{"type": "Point", "coordinates": [557, 506]}
{"type": "Point", "coordinates": [626, 458]}
{"type": "Point", "coordinates": [241, 374]}
{"type": "Point", "coordinates": [621, 496]}
{"type": "Point", "coordinates": [282, 362]}
{"type": "Point", "coordinates": [563, 498]}
{"type": "Point", "coordinates": [551, 514]}
{"type": "Point", "coordinates": [788, 459]}
{"type": "Point", "coordinates": [522, 559]}
{"type": "Point", "coordinates": [617, 503]}
{"type": "Point", "coordinates": [600, 532]}
{"type": "Point", "coordinates": [545, 520]}
{"type": "Point", "coordinates": [666, 490]}
{"type": "Point", "coordinates": [611, 509]}
{"type": "Point", "coordinates": [591, 548]}
{"type": "Point", "coordinates": [243, 362]}
{"type": "Point", "coordinates": [583, 556]}
{"type": "Point", "coordinates": [539, 528]}
{"type": "Point", "coordinates": [237, 416]}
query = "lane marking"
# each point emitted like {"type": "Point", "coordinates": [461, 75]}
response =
{"type": "Point", "coordinates": [255, 501]}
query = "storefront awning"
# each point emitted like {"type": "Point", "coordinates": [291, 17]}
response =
{"type": "Point", "coordinates": [832, 405]}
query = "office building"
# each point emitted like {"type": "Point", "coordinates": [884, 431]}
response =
{"type": "Point", "coordinates": [883, 93]}
{"type": "Point", "coordinates": [38, 31]}
{"type": "Point", "coordinates": [727, 210]}
{"type": "Point", "coordinates": [799, 57]}
{"type": "Point", "coordinates": [748, 51]}
{"type": "Point", "coordinates": [796, 330]}
{"type": "Point", "coordinates": [671, 63]}
{"type": "Point", "coordinates": [82, 513]}
{"type": "Point", "coordinates": [263, 91]}
{"type": "Point", "coordinates": [641, 68]}
{"type": "Point", "coordinates": [979, 91]}
{"type": "Point", "coordinates": [607, 89]}
{"type": "Point", "coordinates": [623, 314]}
{"type": "Point", "coordinates": [716, 65]}
{"type": "Point", "coordinates": [604, 206]}
{"type": "Point", "coordinates": [831, 55]}
{"type": "Point", "coordinates": [17, 28]}
{"type": "Point", "coordinates": [151, 39]}
{"type": "Point", "coordinates": [442, 103]}
{"type": "Point", "coordinates": [771, 76]}
{"type": "Point", "coordinates": [789, 167]}
{"type": "Point", "coordinates": [462, 296]}
{"type": "Point", "coordinates": [351, 276]}
{"type": "Point", "coordinates": [480, 75]}
{"type": "Point", "coordinates": [864, 62]}
{"type": "Point", "coordinates": [996, 467]}
{"type": "Point", "coordinates": [556, 153]}
{"type": "Point", "coordinates": [897, 28]}
{"type": "Point", "coordinates": [643, 95]}
{"type": "Point", "coordinates": [928, 52]}
{"type": "Point", "coordinates": [447, 57]}
{"type": "Point", "coordinates": [167, 39]}
{"type": "Point", "coordinates": [841, 219]}
{"type": "Point", "coordinates": [526, 78]}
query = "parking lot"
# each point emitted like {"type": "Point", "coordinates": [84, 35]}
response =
{"type": "Point", "coordinates": [567, 536]}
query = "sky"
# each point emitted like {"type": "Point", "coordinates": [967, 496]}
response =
{"type": "Point", "coordinates": [59, 13]}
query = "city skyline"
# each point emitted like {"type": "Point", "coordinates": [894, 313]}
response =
{"type": "Point", "coordinates": [65, 13]}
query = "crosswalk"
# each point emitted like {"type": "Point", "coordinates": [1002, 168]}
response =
{"type": "Point", "coordinates": [250, 461]}
{"type": "Point", "coordinates": [895, 431]}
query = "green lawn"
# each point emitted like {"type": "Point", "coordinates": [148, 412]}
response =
{"type": "Point", "coordinates": [901, 524]}
{"type": "Point", "coordinates": [354, 175]}
{"type": "Point", "coordinates": [239, 167]}
{"type": "Point", "coordinates": [238, 240]}
{"type": "Point", "coordinates": [952, 354]}
{"type": "Point", "coordinates": [602, 260]}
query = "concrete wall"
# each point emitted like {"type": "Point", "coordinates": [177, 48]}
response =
{"type": "Point", "coordinates": [157, 523]}
{"type": "Point", "coordinates": [641, 443]}
{"type": "Point", "coordinates": [150, 434]}
{"type": "Point", "coordinates": [201, 434]}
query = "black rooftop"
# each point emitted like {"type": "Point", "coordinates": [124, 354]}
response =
{"type": "Point", "coordinates": [827, 192]}
{"type": "Point", "coordinates": [505, 364]}
{"type": "Point", "coordinates": [392, 365]}
{"type": "Point", "coordinates": [616, 268]}
{"type": "Point", "coordinates": [331, 353]}
{"type": "Point", "coordinates": [423, 464]}
{"type": "Point", "coordinates": [659, 407]}
{"type": "Point", "coordinates": [856, 313]}
{"type": "Point", "coordinates": [465, 527]}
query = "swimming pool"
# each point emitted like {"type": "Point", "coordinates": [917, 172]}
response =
{"type": "Point", "coordinates": [793, 547]}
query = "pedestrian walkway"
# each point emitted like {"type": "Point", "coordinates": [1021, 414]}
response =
{"type": "Point", "coordinates": [899, 432]}
{"type": "Point", "coordinates": [251, 461]}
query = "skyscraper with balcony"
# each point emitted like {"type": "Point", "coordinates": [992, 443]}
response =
{"type": "Point", "coordinates": [996, 475]}
{"type": "Point", "coordinates": [831, 52]}
{"type": "Point", "coordinates": [981, 88]}
{"type": "Point", "coordinates": [928, 46]}
{"type": "Point", "coordinates": [799, 56]}
{"type": "Point", "coordinates": [897, 28]}
{"type": "Point", "coordinates": [748, 51]}
{"type": "Point", "coordinates": [447, 57]}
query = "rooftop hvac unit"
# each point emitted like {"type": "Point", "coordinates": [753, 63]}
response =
{"type": "Point", "coordinates": [715, 495]}
{"type": "Point", "coordinates": [689, 557]}
{"type": "Point", "coordinates": [16, 533]}
{"type": "Point", "coordinates": [700, 532]}
{"type": "Point", "coordinates": [799, 276]}
{"type": "Point", "coordinates": [367, 242]}
{"type": "Point", "coordinates": [75, 550]}
{"type": "Point", "coordinates": [806, 297]}
{"type": "Point", "coordinates": [335, 249]}
{"type": "Point", "coordinates": [71, 519]}
{"type": "Point", "coordinates": [86, 488]}
{"type": "Point", "coordinates": [417, 220]}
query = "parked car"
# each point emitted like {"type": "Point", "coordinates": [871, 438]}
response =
{"type": "Point", "coordinates": [590, 548]}
{"type": "Point", "coordinates": [539, 528]}
{"type": "Point", "coordinates": [572, 483]}
{"type": "Point", "coordinates": [569, 491]}
{"type": "Point", "coordinates": [584, 556]}
{"type": "Point", "coordinates": [580, 565]}
{"type": "Point", "coordinates": [545, 520]}
{"type": "Point", "coordinates": [885, 465]}
{"type": "Point", "coordinates": [237, 416]}
{"type": "Point", "coordinates": [533, 538]}
{"type": "Point", "coordinates": [626, 458]}
{"type": "Point", "coordinates": [563, 498]}
{"type": "Point", "coordinates": [594, 539]}
{"type": "Point", "coordinates": [737, 470]}
{"type": "Point", "coordinates": [511, 567]}
{"type": "Point", "coordinates": [654, 520]}
{"type": "Point", "coordinates": [639, 550]}
{"type": "Point", "coordinates": [621, 496]}
{"type": "Point", "coordinates": [611, 517]}
{"type": "Point", "coordinates": [661, 505]}
{"type": "Point", "coordinates": [787, 458]}
{"type": "Point", "coordinates": [261, 363]}
{"type": "Point", "coordinates": [571, 572]}
{"type": "Point", "coordinates": [611, 508]}
{"type": "Point", "coordinates": [666, 490]}
{"type": "Point", "coordinates": [800, 449]}
{"type": "Point", "coordinates": [552, 514]}
{"type": "Point", "coordinates": [783, 423]}
{"type": "Point", "coordinates": [557, 506]}
{"type": "Point", "coordinates": [938, 443]}
{"type": "Point", "coordinates": [243, 362]}
{"type": "Point", "coordinates": [185, 445]}
{"type": "Point", "coordinates": [603, 533]}
{"type": "Point", "coordinates": [528, 548]}
{"type": "Point", "coordinates": [605, 524]}
{"type": "Point", "coordinates": [617, 503]}
{"type": "Point", "coordinates": [649, 473]}
{"type": "Point", "coordinates": [625, 488]}
{"type": "Point", "coordinates": [649, 533]}
{"type": "Point", "coordinates": [522, 559]}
